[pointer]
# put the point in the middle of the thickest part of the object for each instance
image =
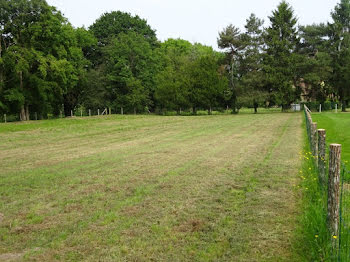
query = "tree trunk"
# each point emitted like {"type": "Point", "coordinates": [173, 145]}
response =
{"type": "Point", "coordinates": [27, 113]}
{"type": "Point", "coordinates": [1, 73]}
{"type": "Point", "coordinates": [194, 110]}
{"type": "Point", "coordinates": [66, 109]}
{"type": "Point", "coordinates": [22, 113]}
{"type": "Point", "coordinates": [285, 108]}
{"type": "Point", "coordinates": [343, 105]}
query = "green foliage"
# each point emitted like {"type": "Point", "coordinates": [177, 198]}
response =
{"type": "Point", "coordinates": [47, 66]}
{"type": "Point", "coordinates": [42, 62]}
{"type": "Point", "coordinates": [230, 40]}
{"type": "Point", "coordinates": [252, 87]}
{"type": "Point", "coordinates": [130, 69]}
{"type": "Point", "coordinates": [314, 234]}
{"type": "Point", "coordinates": [172, 80]}
{"type": "Point", "coordinates": [281, 58]}
{"type": "Point", "coordinates": [207, 83]}
{"type": "Point", "coordinates": [190, 77]}
{"type": "Point", "coordinates": [316, 237]}
{"type": "Point", "coordinates": [339, 32]}
{"type": "Point", "coordinates": [110, 25]}
{"type": "Point", "coordinates": [315, 68]}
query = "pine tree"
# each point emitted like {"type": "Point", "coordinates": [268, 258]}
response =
{"type": "Point", "coordinates": [281, 41]}
{"type": "Point", "coordinates": [230, 40]}
{"type": "Point", "coordinates": [340, 41]}
{"type": "Point", "coordinates": [252, 91]}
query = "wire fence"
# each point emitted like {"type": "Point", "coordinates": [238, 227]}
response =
{"type": "Point", "coordinates": [336, 184]}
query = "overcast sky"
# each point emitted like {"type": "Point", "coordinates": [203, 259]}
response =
{"type": "Point", "coordinates": [193, 20]}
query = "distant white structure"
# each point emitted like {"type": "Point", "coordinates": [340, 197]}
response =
{"type": "Point", "coordinates": [295, 107]}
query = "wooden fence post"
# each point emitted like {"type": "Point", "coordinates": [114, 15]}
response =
{"type": "Point", "coordinates": [89, 112]}
{"type": "Point", "coordinates": [336, 108]}
{"type": "Point", "coordinates": [121, 111]}
{"type": "Point", "coordinates": [314, 139]}
{"type": "Point", "coordinates": [5, 118]}
{"type": "Point", "coordinates": [71, 113]}
{"type": "Point", "coordinates": [320, 108]}
{"type": "Point", "coordinates": [98, 112]}
{"type": "Point", "coordinates": [110, 111]}
{"type": "Point", "coordinates": [81, 112]}
{"type": "Point", "coordinates": [334, 190]}
{"type": "Point", "coordinates": [36, 116]}
{"type": "Point", "coordinates": [309, 121]}
{"type": "Point", "coordinates": [322, 154]}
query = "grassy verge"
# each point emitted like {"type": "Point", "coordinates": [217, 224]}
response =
{"type": "Point", "coordinates": [314, 194]}
{"type": "Point", "coordinates": [337, 130]}
{"type": "Point", "coordinates": [315, 240]}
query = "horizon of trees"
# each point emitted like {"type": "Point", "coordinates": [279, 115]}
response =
{"type": "Point", "coordinates": [49, 67]}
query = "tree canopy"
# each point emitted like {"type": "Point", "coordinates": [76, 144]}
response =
{"type": "Point", "coordinates": [49, 67]}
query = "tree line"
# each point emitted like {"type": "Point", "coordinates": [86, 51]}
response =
{"type": "Point", "coordinates": [48, 66]}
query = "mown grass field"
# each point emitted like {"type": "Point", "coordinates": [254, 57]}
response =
{"type": "Point", "coordinates": [150, 188]}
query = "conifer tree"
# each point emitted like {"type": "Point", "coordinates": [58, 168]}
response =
{"type": "Point", "coordinates": [281, 41]}
{"type": "Point", "coordinates": [340, 42]}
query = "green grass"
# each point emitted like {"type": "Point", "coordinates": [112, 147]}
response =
{"type": "Point", "coordinates": [337, 131]}
{"type": "Point", "coordinates": [315, 239]}
{"type": "Point", "coordinates": [143, 188]}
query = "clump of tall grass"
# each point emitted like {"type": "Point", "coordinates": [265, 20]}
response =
{"type": "Point", "coordinates": [314, 233]}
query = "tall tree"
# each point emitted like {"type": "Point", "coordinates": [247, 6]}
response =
{"type": "Point", "coordinates": [252, 86]}
{"type": "Point", "coordinates": [280, 61]}
{"type": "Point", "coordinates": [110, 25]}
{"type": "Point", "coordinates": [41, 60]}
{"type": "Point", "coordinates": [230, 40]}
{"type": "Point", "coordinates": [125, 61]}
{"type": "Point", "coordinates": [340, 39]}
{"type": "Point", "coordinates": [172, 80]}
{"type": "Point", "coordinates": [207, 81]}
{"type": "Point", "coordinates": [316, 69]}
{"type": "Point", "coordinates": [130, 69]}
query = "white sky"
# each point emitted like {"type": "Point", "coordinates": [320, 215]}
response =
{"type": "Point", "coordinates": [193, 20]}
